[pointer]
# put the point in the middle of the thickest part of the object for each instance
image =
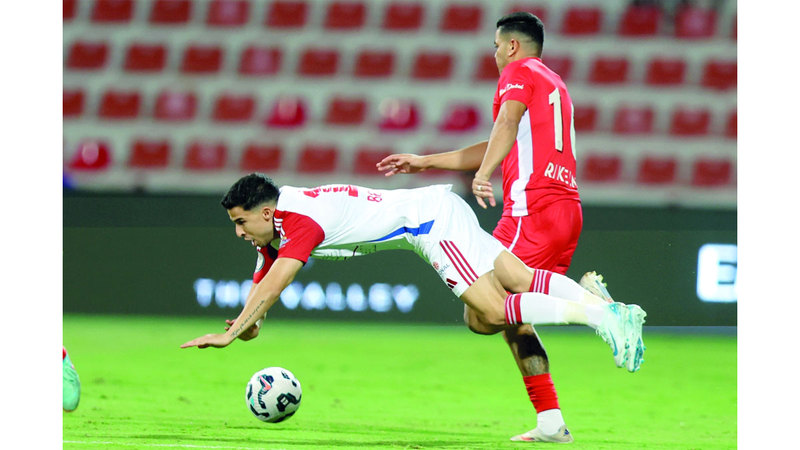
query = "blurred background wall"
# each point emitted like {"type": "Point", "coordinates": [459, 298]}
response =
{"type": "Point", "coordinates": [167, 102]}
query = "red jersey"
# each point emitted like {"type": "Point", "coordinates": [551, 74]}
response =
{"type": "Point", "coordinates": [540, 168]}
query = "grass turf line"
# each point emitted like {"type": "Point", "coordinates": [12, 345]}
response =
{"type": "Point", "coordinates": [388, 386]}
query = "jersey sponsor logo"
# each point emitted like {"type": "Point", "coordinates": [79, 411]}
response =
{"type": "Point", "coordinates": [451, 283]}
{"type": "Point", "coordinates": [510, 86]}
{"type": "Point", "coordinates": [352, 191]}
{"type": "Point", "coordinates": [560, 173]}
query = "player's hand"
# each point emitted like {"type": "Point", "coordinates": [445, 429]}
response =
{"type": "Point", "coordinates": [248, 334]}
{"type": "Point", "coordinates": [400, 163]}
{"type": "Point", "coordinates": [482, 189]}
{"type": "Point", "coordinates": [209, 340]}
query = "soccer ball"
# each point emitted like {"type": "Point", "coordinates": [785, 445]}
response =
{"type": "Point", "coordinates": [273, 394]}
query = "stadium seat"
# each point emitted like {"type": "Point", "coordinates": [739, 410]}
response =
{"type": "Point", "coordinates": [708, 172]}
{"type": "Point", "coordinates": [485, 68]}
{"type": "Point", "coordinates": [692, 22]}
{"type": "Point", "coordinates": [730, 125]}
{"type": "Point", "coordinates": [657, 170]}
{"type": "Point", "coordinates": [69, 10]}
{"type": "Point", "coordinates": [459, 118]}
{"type": "Point", "coordinates": [398, 115]}
{"type": "Point", "coordinates": [91, 155]}
{"type": "Point", "coordinates": [149, 154]}
{"type": "Point", "coordinates": [260, 61]}
{"type": "Point", "coordinates": [116, 104]}
{"type": "Point", "coordinates": [582, 20]}
{"type": "Point", "coordinates": [343, 111]}
{"type": "Point", "coordinates": [345, 15]}
{"type": "Point", "coordinates": [234, 108]}
{"type": "Point", "coordinates": [402, 16]}
{"type": "Point", "coordinates": [315, 158]}
{"type": "Point", "coordinates": [201, 59]}
{"type": "Point", "coordinates": [374, 63]}
{"type": "Point", "coordinates": [609, 70]}
{"type": "Point", "coordinates": [85, 55]}
{"type": "Point", "coordinates": [228, 13]}
{"type": "Point", "coordinates": [366, 157]}
{"type": "Point", "coordinates": [287, 112]}
{"type": "Point", "coordinates": [601, 168]}
{"type": "Point", "coordinates": [640, 21]}
{"type": "Point", "coordinates": [560, 64]}
{"type": "Point", "coordinates": [663, 71]}
{"type": "Point", "coordinates": [538, 9]}
{"type": "Point", "coordinates": [719, 74]}
{"type": "Point", "coordinates": [633, 120]}
{"type": "Point", "coordinates": [461, 18]}
{"type": "Point", "coordinates": [170, 12]}
{"type": "Point", "coordinates": [432, 65]}
{"type": "Point", "coordinates": [145, 57]}
{"type": "Point", "coordinates": [286, 14]}
{"type": "Point", "coordinates": [175, 106]}
{"type": "Point", "coordinates": [261, 157]}
{"type": "Point", "coordinates": [112, 11]}
{"type": "Point", "coordinates": [318, 62]}
{"type": "Point", "coordinates": [203, 155]}
{"type": "Point", "coordinates": [73, 103]}
{"type": "Point", "coordinates": [585, 117]}
{"type": "Point", "coordinates": [690, 121]}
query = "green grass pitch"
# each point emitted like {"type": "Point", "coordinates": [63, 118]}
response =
{"type": "Point", "coordinates": [388, 386]}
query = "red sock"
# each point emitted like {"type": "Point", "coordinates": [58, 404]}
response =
{"type": "Point", "coordinates": [541, 391]}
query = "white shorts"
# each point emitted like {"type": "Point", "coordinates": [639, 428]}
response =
{"type": "Point", "coordinates": [457, 247]}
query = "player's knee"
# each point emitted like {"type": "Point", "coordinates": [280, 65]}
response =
{"type": "Point", "coordinates": [478, 326]}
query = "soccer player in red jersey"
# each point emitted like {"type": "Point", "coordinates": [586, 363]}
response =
{"type": "Point", "coordinates": [533, 141]}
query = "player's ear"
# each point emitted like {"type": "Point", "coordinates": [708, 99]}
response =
{"type": "Point", "coordinates": [267, 212]}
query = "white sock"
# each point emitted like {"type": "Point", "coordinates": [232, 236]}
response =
{"type": "Point", "coordinates": [541, 309]}
{"type": "Point", "coordinates": [549, 421]}
{"type": "Point", "coordinates": [551, 283]}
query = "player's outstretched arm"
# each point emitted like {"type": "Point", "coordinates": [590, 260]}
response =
{"type": "Point", "coordinates": [260, 300]}
{"type": "Point", "coordinates": [504, 133]}
{"type": "Point", "coordinates": [467, 158]}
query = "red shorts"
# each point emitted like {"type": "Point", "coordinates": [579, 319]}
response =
{"type": "Point", "coordinates": [545, 239]}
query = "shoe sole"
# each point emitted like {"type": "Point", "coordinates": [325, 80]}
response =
{"type": "Point", "coordinates": [635, 352]}
{"type": "Point", "coordinates": [593, 284]}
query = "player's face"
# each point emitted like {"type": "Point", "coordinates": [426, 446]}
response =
{"type": "Point", "coordinates": [501, 44]}
{"type": "Point", "coordinates": [254, 225]}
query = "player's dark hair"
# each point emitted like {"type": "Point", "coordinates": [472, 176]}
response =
{"type": "Point", "coordinates": [523, 22]}
{"type": "Point", "coordinates": [250, 191]}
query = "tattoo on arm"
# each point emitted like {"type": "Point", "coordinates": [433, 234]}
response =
{"type": "Point", "coordinates": [240, 328]}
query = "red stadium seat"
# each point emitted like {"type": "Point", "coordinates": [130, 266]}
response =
{"type": "Point", "coordinates": [202, 155]}
{"type": "Point", "coordinates": [730, 125]}
{"type": "Point", "coordinates": [287, 14]}
{"type": "Point", "coordinates": [633, 120]}
{"type": "Point", "coordinates": [537, 9]}
{"type": "Point", "coordinates": [366, 157]}
{"type": "Point", "coordinates": [460, 18]}
{"type": "Point", "coordinates": [318, 159]}
{"type": "Point", "coordinates": [585, 117]}
{"type": "Point", "coordinates": [260, 157]}
{"type": "Point", "coordinates": [695, 23]}
{"type": "Point", "coordinates": [582, 20]}
{"type": "Point", "coordinates": [460, 118]}
{"type": "Point", "coordinates": [560, 64]}
{"type": "Point", "coordinates": [609, 70]}
{"type": "Point", "coordinates": [91, 155]}
{"type": "Point", "coordinates": [374, 64]}
{"type": "Point", "coordinates": [73, 103]}
{"type": "Point", "coordinates": [345, 15]}
{"type": "Point", "coordinates": [287, 112]}
{"type": "Point", "coordinates": [402, 16]}
{"type": "Point", "coordinates": [149, 154]}
{"type": "Point", "coordinates": [145, 57]}
{"type": "Point", "coordinates": [432, 65]}
{"type": "Point", "coordinates": [84, 55]}
{"type": "Point", "coordinates": [602, 168]}
{"type": "Point", "coordinates": [707, 172]}
{"type": "Point", "coordinates": [175, 106]}
{"type": "Point", "coordinates": [317, 62]}
{"type": "Point", "coordinates": [690, 121]}
{"type": "Point", "coordinates": [228, 13]}
{"type": "Point", "coordinates": [112, 11]}
{"type": "Point", "coordinates": [640, 21]}
{"type": "Point", "coordinates": [665, 71]}
{"type": "Point", "coordinates": [260, 61]}
{"type": "Point", "coordinates": [485, 68]}
{"type": "Point", "coordinates": [344, 111]}
{"type": "Point", "coordinates": [170, 12]}
{"type": "Point", "coordinates": [657, 170]}
{"type": "Point", "coordinates": [117, 104]}
{"type": "Point", "coordinates": [69, 9]}
{"type": "Point", "coordinates": [719, 74]}
{"type": "Point", "coordinates": [200, 59]}
{"type": "Point", "coordinates": [234, 108]}
{"type": "Point", "coordinates": [398, 115]}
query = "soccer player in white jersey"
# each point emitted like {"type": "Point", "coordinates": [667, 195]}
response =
{"type": "Point", "coordinates": [289, 225]}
